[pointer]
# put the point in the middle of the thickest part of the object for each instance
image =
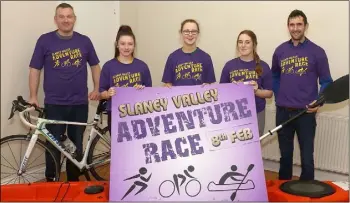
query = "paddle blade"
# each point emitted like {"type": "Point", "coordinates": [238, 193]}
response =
{"type": "Point", "coordinates": [250, 167]}
{"type": "Point", "coordinates": [233, 196]}
{"type": "Point", "coordinates": [337, 91]}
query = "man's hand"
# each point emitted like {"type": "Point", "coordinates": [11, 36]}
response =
{"type": "Point", "coordinates": [33, 101]}
{"type": "Point", "coordinates": [94, 95]}
{"type": "Point", "coordinates": [310, 109]}
{"type": "Point", "coordinates": [95, 73]}
{"type": "Point", "coordinates": [34, 77]}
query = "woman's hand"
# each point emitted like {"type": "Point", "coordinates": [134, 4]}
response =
{"type": "Point", "coordinates": [111, 92]}
{"type": "Point", "coordinates": [139, 87]}
{"type": "Point", "coordinates": [168, 85]}
{"type": "Point", "coordinates": [254, 84]}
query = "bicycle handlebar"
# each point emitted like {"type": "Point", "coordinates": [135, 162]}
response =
{"type": "Point", "coordinates": [21, 116]}
{"type": "Point", "coordinates": [38, 109]}
{"type": "Point", "coordinates": [23, 106]}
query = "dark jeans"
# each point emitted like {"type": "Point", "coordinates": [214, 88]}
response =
{"type": "Point", "coordinates": [109, 113]}
{"type": "Point", "coordinates": [305, 128]}
{"type": "Point", "coordinates": [74, 113]}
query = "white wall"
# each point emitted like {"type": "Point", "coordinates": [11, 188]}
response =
{"type": "Point", "coordinates": [21, 25]}
{"type": "Point", "coordinates": [18, 38]}
{"type": "Point", "coordinates": [157, 23]}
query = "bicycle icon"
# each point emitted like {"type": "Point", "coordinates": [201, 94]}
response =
{"type": "Point", "coordinates": [192, 188]}
{"type": "Point", "coordinates": [187, 76]}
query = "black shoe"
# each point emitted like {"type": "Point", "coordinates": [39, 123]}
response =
{"type": "Point", "coordinates": [49, 179]}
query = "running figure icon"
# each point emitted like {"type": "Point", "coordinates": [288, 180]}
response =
{"type": "Point", "coordinates": [143, 185]}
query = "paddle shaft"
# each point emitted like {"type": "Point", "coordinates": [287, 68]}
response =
{"type": "Point", "coordinates": [318, 102]}
{"type": "Point", "coordinates": [233, 196]}
{"type": "Point", "coordinates": [327, 96]}
{"type": "Point", "coordinates": [282, 125]}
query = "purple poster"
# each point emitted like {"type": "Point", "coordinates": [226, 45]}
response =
{"type": "Point", "coordinates": [186, 144]}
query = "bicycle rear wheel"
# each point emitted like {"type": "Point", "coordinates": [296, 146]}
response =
{"type": "Point", "coordinates": [100, 150]}
{"type": "Point", "coordinates": [13, 148]}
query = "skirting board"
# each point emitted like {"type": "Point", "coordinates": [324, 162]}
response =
{"type": "Point", "coordinates": [319, 175]}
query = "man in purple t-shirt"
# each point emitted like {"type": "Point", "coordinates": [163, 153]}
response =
{"type": "Point", "coordinates": [64, 55]}
{"type": "Point", "coordinates": [297, 65]}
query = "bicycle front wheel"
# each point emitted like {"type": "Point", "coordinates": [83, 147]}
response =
{"type": "Point", "coordinates": [13, 148]}
{"type": "Point", "coordinates": [193, 188]}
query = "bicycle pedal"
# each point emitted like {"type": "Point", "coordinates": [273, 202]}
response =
{"type": "Point", "coordinates": [94, 189]}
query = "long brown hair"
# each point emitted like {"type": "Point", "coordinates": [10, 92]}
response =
{"type": "Point", "coordinates": [124, 30]}
{"type": "Point", "coordinates": [251, 34]}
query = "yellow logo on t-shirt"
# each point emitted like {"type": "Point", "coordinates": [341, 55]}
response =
{"type": "Point", "coordinates": [241, 75]}
{"type": "Point", "coordinates": [295, 65]}
{"type": "Point", "coordinates": [67, 58]}
{"type": "Point", "coordinates": [126, 79]}
{"type": "Point", "coordinates": [189, 70]}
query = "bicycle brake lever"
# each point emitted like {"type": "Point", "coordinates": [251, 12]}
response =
{"type": "Point", "coordinates": [11, 114]}
{"type": "Point", "coordinates": [37, 108]}
{"type": "Point", "coordinates": [21, 100]}
{"type": "Point", "coordinates": [14, 103]}
{"type": "Point", "coordinates": [24, 102]}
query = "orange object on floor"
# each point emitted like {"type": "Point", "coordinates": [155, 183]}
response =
{"type": "Point", "coordinates": [54, 192]}
{"type": "Point", "coordinates": [276, 195]}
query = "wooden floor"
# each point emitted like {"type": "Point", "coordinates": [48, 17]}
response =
{"type": "Point", "coordinates": [269, 175]}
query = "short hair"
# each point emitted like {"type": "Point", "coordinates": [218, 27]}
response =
{"type": "Point", "coordinates": [297, 13]}
{"type": "Point", "coordinates": [64, 5]}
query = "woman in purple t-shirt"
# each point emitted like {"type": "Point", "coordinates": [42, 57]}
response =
{"type": "Point", "coordinates": [188, 65]}
{"type": "Point", "coordinates": [249, 68]}
{"type": "Point", "coordinates": [124, 70]}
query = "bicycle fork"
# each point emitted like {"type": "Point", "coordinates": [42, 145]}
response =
{"type": "Point", "coordinates": [25, 159]}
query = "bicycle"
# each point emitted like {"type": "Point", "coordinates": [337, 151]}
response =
{"type": "Point", "coordinates": [186, 190]}
{"type": "Point", "coordinates": [39, 130]}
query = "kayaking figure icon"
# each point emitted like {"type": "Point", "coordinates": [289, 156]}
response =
{"type": "Point", "coordinates": [238, 183]}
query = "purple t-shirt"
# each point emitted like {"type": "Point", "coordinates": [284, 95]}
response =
{"type": "Point", "coordinates": [65, 67]}
{"type": "Point", "coordinates": [237, 70]}
{"type": "Point", "coordinates": [295, 71]}
{"type": "Point", "coordinates": [115, 73]}
{"type": "Point", "coordinates": [185, 69]}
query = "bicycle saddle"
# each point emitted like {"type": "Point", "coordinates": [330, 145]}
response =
{"type": "Point", "coordinates": [94, 189]}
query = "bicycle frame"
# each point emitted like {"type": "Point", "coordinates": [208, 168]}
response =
{"type": "Point", "coordinates": [40, 129]}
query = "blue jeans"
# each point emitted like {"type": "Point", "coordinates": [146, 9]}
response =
{"type": "Point", "coordinates": [305, 128]}
{"type": "Point", "coordinates": [74, 113]}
